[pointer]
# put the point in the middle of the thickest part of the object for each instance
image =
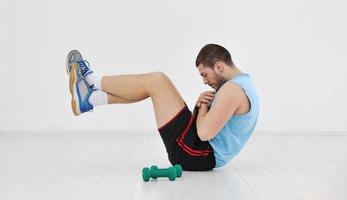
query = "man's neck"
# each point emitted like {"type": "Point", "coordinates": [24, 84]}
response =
{"type": "Point", "coordinates": [231, 72]}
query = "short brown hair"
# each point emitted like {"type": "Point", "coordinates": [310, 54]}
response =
{"type": "Point", "coordinates": [211, 53]}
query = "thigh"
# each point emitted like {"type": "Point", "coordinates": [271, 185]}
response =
{"type": "Point", "coordinates": [167, 101]}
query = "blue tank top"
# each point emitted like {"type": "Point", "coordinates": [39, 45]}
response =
{"type": "Point", "coordinates": [233, 136]}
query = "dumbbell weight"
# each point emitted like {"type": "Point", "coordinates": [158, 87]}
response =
{"type": "Point", "coordinates": [154, 172]}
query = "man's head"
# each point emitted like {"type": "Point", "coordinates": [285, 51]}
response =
{"type": "Point", "coordinates": [213, 63]}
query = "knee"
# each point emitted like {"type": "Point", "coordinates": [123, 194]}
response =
{"type": "Point", "coordinates": [157, 81]}
{"type": "Point", "coordinates": [159, 77]}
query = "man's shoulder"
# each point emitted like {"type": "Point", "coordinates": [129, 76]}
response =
{"type": "Point", "coordinates": [232, 95]}
{"type": "Point", "coordinates": [230, 90]}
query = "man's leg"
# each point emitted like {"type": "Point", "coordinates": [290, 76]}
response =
{"type": "Point", "coordinates": [132, 88]}
{"type": "Point", "coordinates": [113, 99]}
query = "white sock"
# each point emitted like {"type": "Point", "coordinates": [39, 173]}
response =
{"type": "Point", "coordinates": [92, 78]}
{"type": "Point", "coordinates": [98, 97]}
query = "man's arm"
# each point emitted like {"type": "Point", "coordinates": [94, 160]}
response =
{"type": "Point", "coordinates": [205, 97]}
{"type": "Point", "coordinates": [195, 111]}
{"type": "Point", "coordinates": [210, 122]}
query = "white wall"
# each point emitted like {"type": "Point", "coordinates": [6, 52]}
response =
{"type": "Point", "coordinates": [295, 50]}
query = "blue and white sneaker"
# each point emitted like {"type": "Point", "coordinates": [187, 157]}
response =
{"type": "Point", "coordinates": [80, 91]}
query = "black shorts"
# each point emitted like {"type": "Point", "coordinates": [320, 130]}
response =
{"type": "Point", "coordinates": [183, 144]}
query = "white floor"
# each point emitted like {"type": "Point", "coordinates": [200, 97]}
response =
{"type": "Point", "coordinates": [97, 167]}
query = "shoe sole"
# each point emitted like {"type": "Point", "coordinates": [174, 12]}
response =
{"type": "Point", "coordinates": [72, 86]}
{"type": "Point", "coordinates": [67, 61]}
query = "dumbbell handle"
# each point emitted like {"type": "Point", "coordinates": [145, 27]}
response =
{"type": "Point", "coordinates": [160, 173]}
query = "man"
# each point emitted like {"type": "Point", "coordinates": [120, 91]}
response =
{"type": "Point", "coordinates": [222, 120]}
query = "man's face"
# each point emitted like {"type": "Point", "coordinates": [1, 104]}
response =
{"type": "Point", "coordinates": [210, 77]}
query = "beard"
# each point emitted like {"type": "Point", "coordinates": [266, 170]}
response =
{"type": "Point", "coordinates": [219, 83]}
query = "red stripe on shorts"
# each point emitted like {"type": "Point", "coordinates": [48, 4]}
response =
{"type": "Point", "coordinates": [191, 153]}
{"type": "Point", "coordinates": [186, 148]}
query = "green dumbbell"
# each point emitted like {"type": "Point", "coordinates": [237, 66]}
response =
{"type": "Point", "coordinates": [177, 167]}
{"type": "Point", "coordinates": [154, 172]}
{"type": "Point", "coordinates": [178, 170]}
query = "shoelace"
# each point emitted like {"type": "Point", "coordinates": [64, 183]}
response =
{"type": "Point", "coordinates": [83, 66]}
{"type": "Point", "coordinates": [83, 70]}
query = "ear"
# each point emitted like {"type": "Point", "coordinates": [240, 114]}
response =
{"type": "Point", "coordinates": [219, 67]}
